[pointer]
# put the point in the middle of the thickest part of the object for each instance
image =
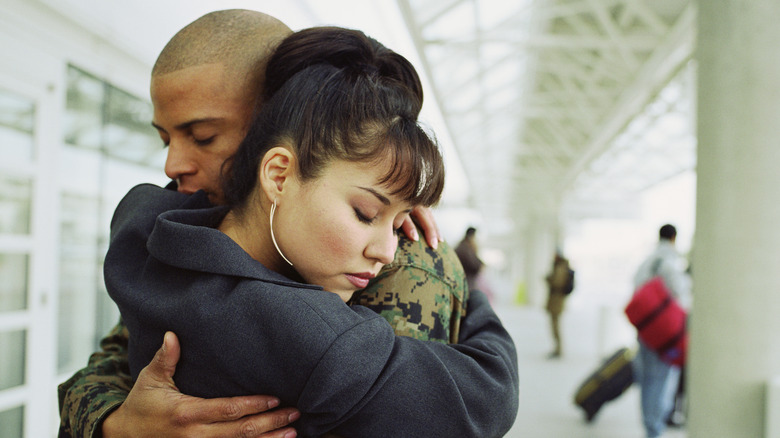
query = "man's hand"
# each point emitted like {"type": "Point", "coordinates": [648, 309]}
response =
{"type": "Point", "coordinates": [155, 407]}
{"type": "Point", "coordinates": [424, 218]}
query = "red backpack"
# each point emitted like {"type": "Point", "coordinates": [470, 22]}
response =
{"type": "Point", "coordinates": [660, 321]}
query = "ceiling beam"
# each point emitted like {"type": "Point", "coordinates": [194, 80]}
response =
{"type": "Point", "coordinates": [666, 60]}
{"type": "Point", "coordinates": [552, 41]}
{"type": "Point", "coordinates": [607, 23]}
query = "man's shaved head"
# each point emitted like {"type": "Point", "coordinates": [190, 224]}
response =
{"type": "Point", "coordinates": [240, 39]}
{"type": "Point", "coordinates": [206, 85]}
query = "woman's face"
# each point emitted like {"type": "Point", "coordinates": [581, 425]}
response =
{"type": "Point", "coordinates": [340, 229]}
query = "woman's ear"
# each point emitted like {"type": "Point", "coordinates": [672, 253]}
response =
{"type": "Point", "coordinates": [277, 169]}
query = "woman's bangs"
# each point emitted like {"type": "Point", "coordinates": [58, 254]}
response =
{"type": "Point", "coordinates": [415, 171]}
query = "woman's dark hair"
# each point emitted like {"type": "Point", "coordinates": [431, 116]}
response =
{"type": "Point", "coordinates": [335, 94]}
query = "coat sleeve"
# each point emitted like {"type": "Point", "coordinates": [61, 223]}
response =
{"type": "Point", "coordinates": [422, 389]}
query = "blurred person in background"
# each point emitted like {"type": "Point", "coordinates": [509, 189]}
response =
{"type": "Point", "coordinates": [559, 285]}
{"type": "Point", "coordinates": [468, 253]}
{"type": "Point", "coordinates": [658, 380]}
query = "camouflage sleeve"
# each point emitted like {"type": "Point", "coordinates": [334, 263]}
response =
{"type": "Point", "coordinates": [95, 391]}
{"type": "Point", "coordinates": [422, 294]}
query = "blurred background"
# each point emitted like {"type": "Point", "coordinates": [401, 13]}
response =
{"type": "Point", "coordinates": [566, 126]}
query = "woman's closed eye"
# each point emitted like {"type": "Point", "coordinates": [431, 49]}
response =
{"type": "Point", "coordinates": [363, 218]}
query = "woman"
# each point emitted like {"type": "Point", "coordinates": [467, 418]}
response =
{"type": "Point", "coordinates": [330, 168]}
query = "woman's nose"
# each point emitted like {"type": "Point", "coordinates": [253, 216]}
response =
{"type": "Point", "coordinates": [383, 247]}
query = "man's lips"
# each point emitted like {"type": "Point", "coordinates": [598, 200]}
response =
{"type": "Point", "coordinates": [186, 185]}
{"type": "Point", "coordinates": [360, 280]}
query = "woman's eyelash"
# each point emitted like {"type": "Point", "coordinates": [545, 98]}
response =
{"type": "Point", "coordinates": [363, 218]}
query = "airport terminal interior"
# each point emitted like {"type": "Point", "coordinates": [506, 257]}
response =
{"type": "Point", "coordinates": [577, 127]}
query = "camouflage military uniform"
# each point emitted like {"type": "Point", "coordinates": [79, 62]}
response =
{"type": "Point", "coordinates": [422, 294]}
{"type": "Point", "coordinates": [95, 391]}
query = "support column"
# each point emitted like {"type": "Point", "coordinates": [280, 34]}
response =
{"type": "Point", "coordinates": [735, 320]}
{"type": "Point", "coordinates": [540, 247]}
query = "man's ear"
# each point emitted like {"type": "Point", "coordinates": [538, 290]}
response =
{"type": "Point", "coordinates": [277, 169]}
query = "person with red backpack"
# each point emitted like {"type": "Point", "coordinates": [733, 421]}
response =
{"type": "Point", "coordinates": [657, 373]}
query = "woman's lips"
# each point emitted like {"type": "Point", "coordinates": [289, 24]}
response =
{"type": "Point", "coordinates": [360, 280]}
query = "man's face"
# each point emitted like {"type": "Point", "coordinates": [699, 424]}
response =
{"type": "Point", "coordinates": [202, 116]}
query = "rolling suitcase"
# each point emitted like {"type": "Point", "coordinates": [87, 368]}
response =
{"type": "Point", "coordinates": [610, 380]}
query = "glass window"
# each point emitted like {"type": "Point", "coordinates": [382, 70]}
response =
{"type": "Point", "coordinates": [102, 117]}
{"type": "Point", "coordinates": [17, 154]}
{"type": "Point", "coordinates": [12, 362]}
{"type": "Point", "coordinates": [79, 268]}
{"type": "Point", "coordinates": [15, 196]}
{"type": "Point", "coordinates": [129, 133]}
{"type": "Point", "coordinates": [13, 422]}
{"type": "Point", "coordinates": [83, 110]}
{"type": "Point", "coordinates": [13, 288]}
{"type": "Point", "coordinates": [110, 140]}
{"type": "Point", "coordinates": [17, 116]}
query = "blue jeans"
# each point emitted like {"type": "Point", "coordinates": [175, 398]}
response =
{"type": "Point", "coordinates": [658, 384]}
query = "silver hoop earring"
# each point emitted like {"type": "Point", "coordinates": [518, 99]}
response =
{"type": "Point", "coordinates": [273, 239]}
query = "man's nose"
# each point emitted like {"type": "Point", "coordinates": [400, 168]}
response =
{"type": "Point", "coordinates": [177, 163]}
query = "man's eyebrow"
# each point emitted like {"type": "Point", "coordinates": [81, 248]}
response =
{"type": "Point", "coordinates": [187, 124]}
{"type": "Point", "coordinates": [384, 199]}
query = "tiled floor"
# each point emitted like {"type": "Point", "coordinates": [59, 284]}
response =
{"type": "Point", "coordinates": [547, 386]}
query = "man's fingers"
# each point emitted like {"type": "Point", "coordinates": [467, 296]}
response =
{"type": "Point", "coordinates": [270, 424]}
{"type": "Point", "coordinates": [274, 422]}
{"type": "Point", "coordinates": [163, 365]}
{"type": "Point", "coordinates": [409, 229]}
{"type": "Point", "coordinates": [426, 221]}
{"type": "Point", "coordinates": [287, 432]}
{"type": "Point", "coordinates": [220, 410]}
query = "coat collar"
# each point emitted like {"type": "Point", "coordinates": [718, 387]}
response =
{"type": "Point", "coordinates": [181, 236]}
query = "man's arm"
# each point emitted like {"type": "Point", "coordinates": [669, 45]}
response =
{"type": "Point", "coordinates": [95, 391]}
{"type": "Point", "coordinates": [100, 400]}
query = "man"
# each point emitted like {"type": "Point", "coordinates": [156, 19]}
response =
{"type": "Point", "coordinates": [658, 380]}
{"type": "Point", "coordinates": [469, 256]}
{"type": "Point", "coordinates": [204, 88]}
{"type": "Point", "coordinates": [557, 280]}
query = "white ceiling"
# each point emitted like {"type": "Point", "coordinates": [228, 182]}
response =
{"type": "Point", "coordinates": [540, 105]}
{"type": "Point", "coordinates": [560, 103]}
